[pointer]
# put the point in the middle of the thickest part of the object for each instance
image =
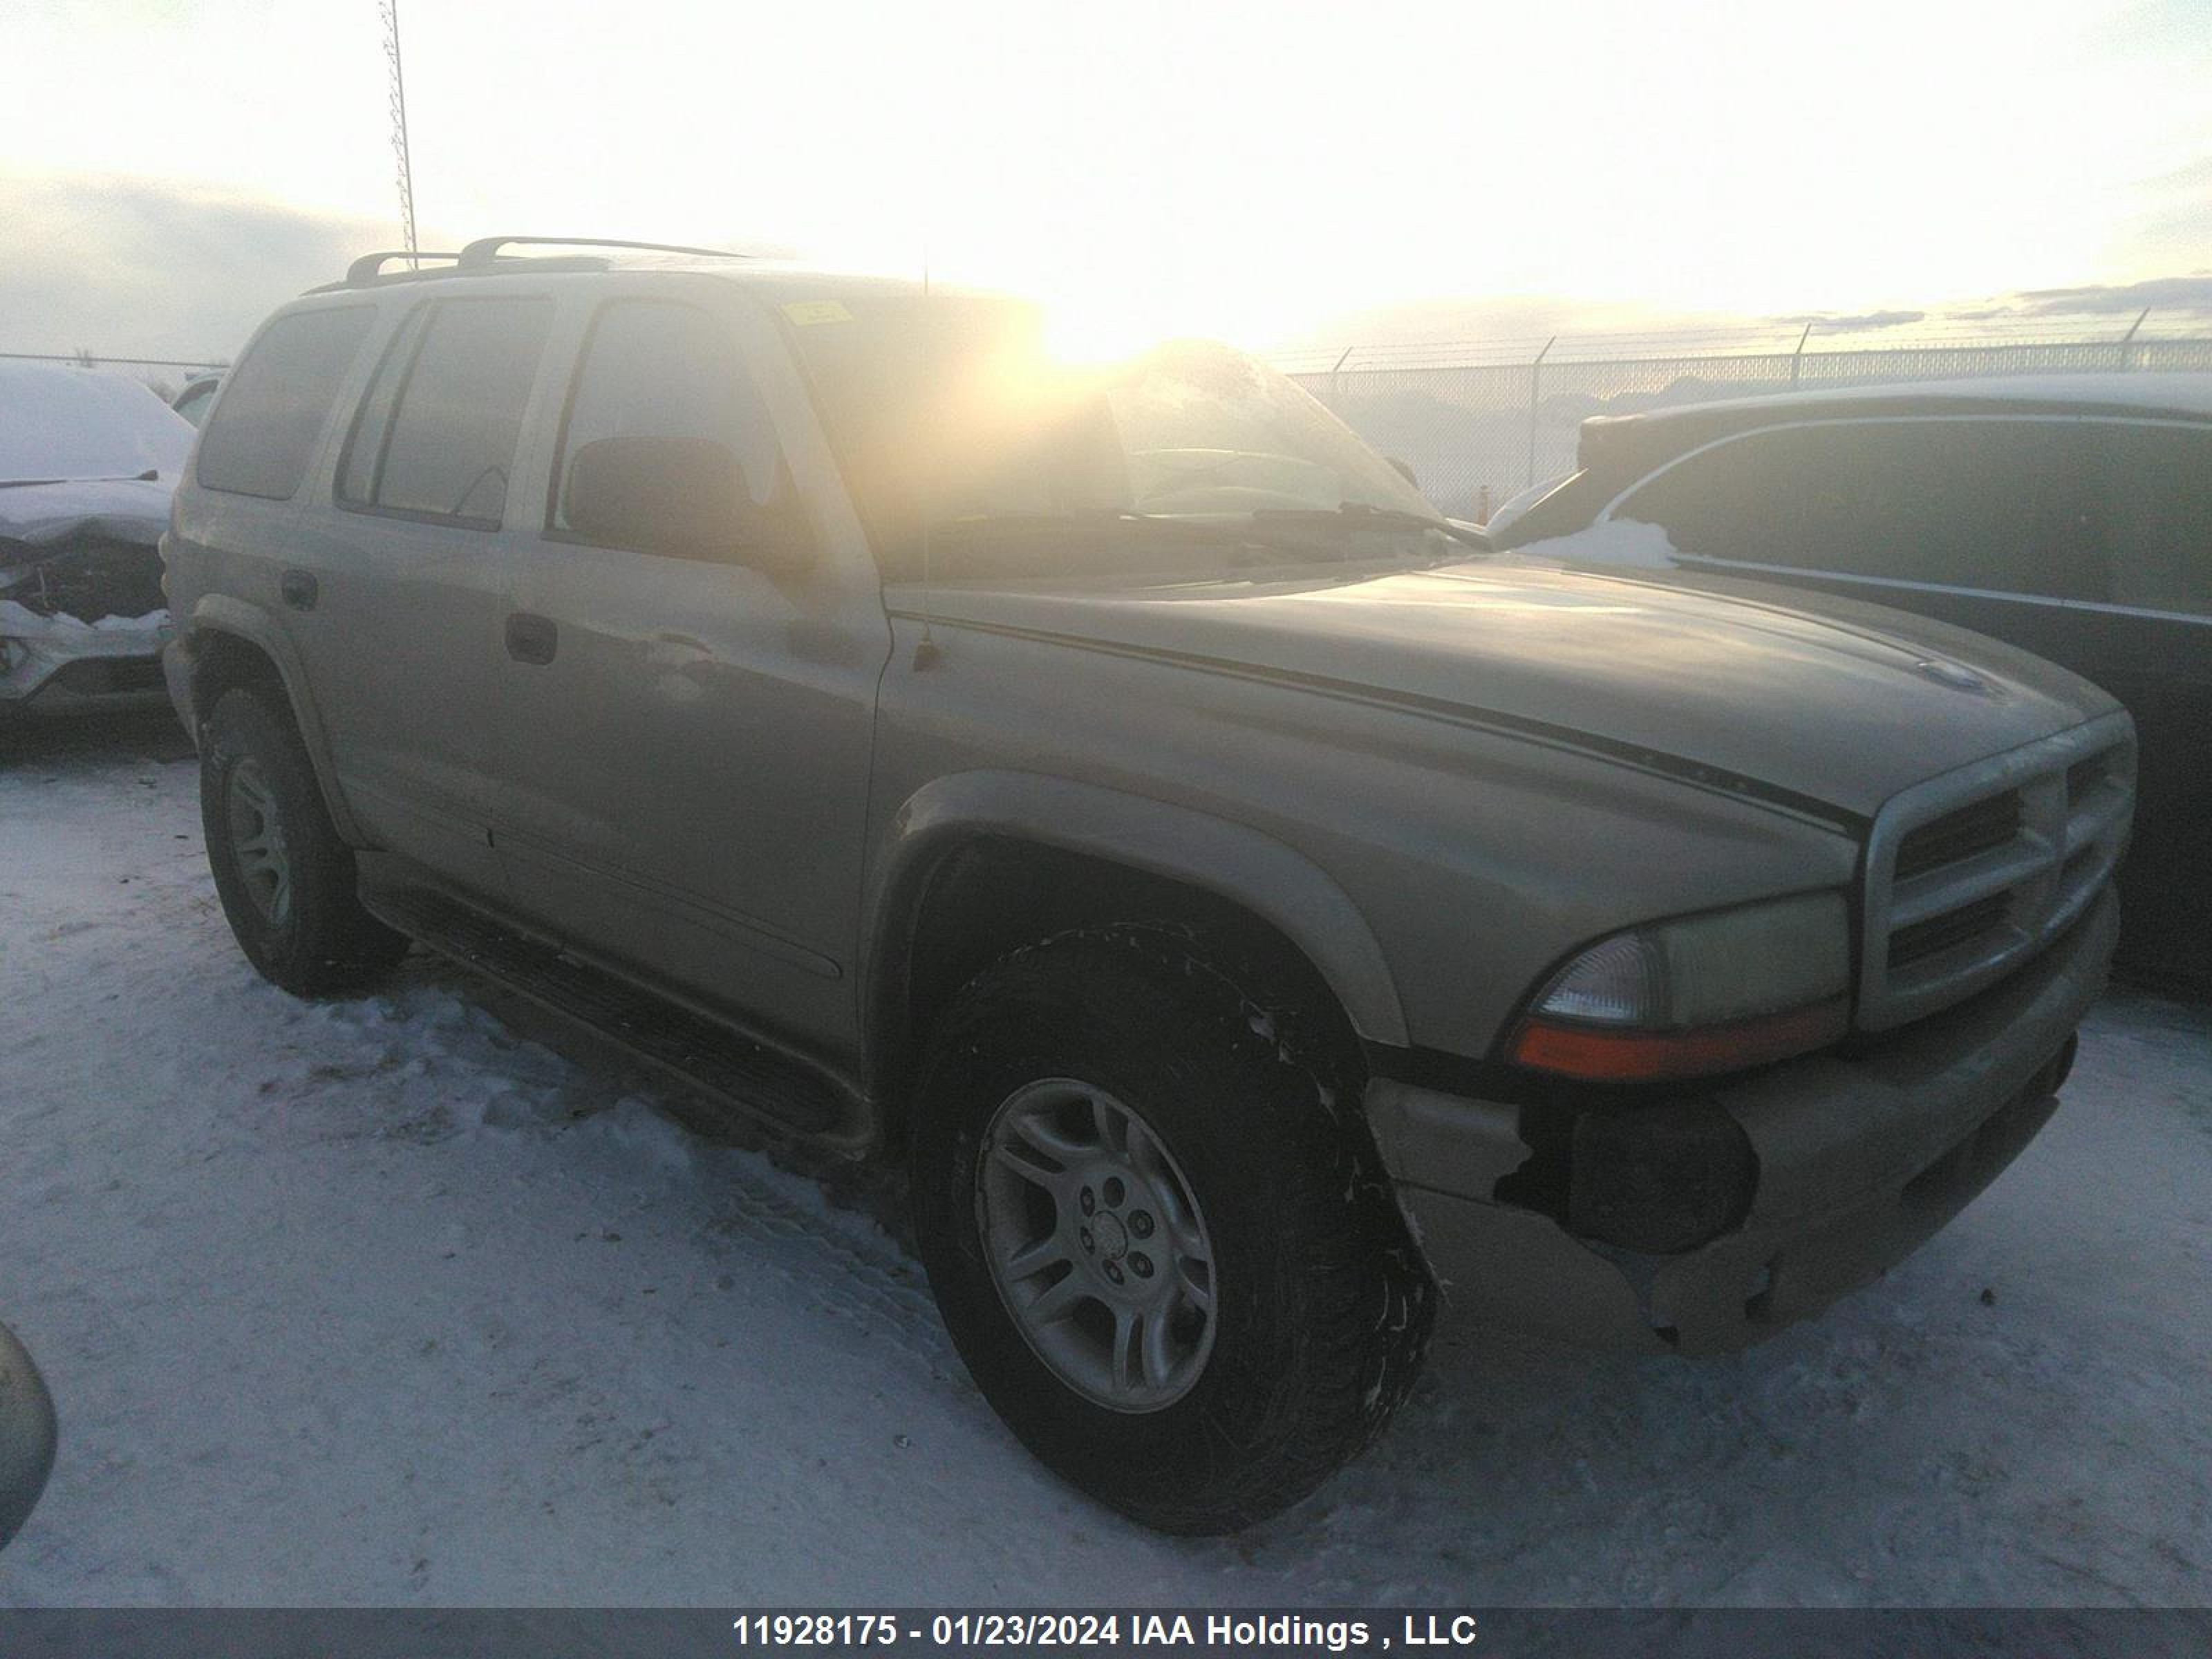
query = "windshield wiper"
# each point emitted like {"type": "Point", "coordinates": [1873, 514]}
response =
{"type": "Point", "coordinates": [1364, 516]}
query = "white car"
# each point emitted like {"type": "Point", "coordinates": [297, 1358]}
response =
{"type": "Point", "coordinates": [87, 463]}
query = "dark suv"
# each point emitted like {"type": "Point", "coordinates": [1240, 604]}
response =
{"type": "Point", "coordinates": [2069, 516]}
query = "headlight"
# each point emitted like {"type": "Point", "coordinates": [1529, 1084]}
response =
{"type": "Point", "coordinates": [1704, 994]}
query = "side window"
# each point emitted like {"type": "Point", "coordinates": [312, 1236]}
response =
{"type": "Point", "coordinates": [1981, 504]}
{"type": "Point", "coordinates": [436, 435]}
{"type": "Point", "coordinates": [657, 369]}
{"type": "Point", "coordinates": [1731, 502]}
{"type": "Point", "coordinates": [2149, 502]}
{"type": "Point", "coordinates": [273, 410]}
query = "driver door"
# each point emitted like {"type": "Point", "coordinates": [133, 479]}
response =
{"type": "Point", "coordinates": [686, 736]}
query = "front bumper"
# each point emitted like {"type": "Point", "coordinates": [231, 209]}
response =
{"type": "Point", "coordinates": [60, 657]}
{"type": "Point", "coordinates": [1859, 1160]}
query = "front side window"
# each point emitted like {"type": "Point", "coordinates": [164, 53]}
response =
{"type": "Point", "coordinates": [437, 435]}
{"type": "Point", "coordinates": [654, 369]}
{"type": "Point", "coordinates": [262, 437]}
{"type": "Point", "coordinates": [1981, 504]}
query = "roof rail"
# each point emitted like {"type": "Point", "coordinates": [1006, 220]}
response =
{"type": "Point", "coordinates": [482, 253]}
{"type": "Point", "coordinates": [370, 266]}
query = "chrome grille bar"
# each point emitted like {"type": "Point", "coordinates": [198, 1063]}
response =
{"type": "Point", "coordinates": [1998, 857]}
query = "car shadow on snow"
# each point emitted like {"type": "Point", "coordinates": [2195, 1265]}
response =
{"type": "Point", "coordinates": [142, 729]}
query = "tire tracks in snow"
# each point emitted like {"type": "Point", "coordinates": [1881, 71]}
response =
{"type": "Point", "coordinates": [868, 1283]}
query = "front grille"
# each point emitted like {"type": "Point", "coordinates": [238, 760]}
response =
{"type": "Point", "coordinates": [1970, 874]}
{"type": "Point", "coordinates": [1916, 941]}
{"type": "Point", "coordinates": [1960, 834]}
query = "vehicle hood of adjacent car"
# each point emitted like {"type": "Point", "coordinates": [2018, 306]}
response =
{"type": "Point", "coordinates": [1806, 702]}
{"type": "Point", "coordinates": [38, 515]}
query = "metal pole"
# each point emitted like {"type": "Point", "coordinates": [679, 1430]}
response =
{"type": "Point", "coordinates": [2128, 339]}
{"type": "Point", "coordinates": [1535, 380]}
{"type": "Point", "coordinates": [1334, 402]}
{"type": "Point", "coordinates": [1797, 356]}
{"type": "Point", "coordinates": [389, 9]}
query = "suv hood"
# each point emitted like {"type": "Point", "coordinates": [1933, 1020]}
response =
{"type": "Point", "coordinates": [1807, 702]}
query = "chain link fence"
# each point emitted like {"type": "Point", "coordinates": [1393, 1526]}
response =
{"type": "Point", "coordinates": [167, 375]}
{"type": "Point", "coordinates": [1480, 424]}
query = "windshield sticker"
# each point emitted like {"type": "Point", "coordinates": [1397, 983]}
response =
{"type": "Point", "coordinates": [807, 312]}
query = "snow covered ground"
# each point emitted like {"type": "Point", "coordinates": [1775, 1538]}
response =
{"type": "Point", "coordinates": [398, 1301]}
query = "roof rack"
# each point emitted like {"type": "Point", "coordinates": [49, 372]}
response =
{"type": "Point", "coordinates": [370, 266]}
{"type": "Point", "coordinates": [482, 253]}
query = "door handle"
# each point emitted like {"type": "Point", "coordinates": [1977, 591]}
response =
{"type": "Point", "coordinates": [298, 588]}
{"type": "Point", "coordinates": [532, 639]}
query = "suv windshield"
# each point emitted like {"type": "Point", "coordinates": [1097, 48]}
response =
{"type": "Point", "coordinates": [1190, 458]}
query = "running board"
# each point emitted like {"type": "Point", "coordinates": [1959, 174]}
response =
{"type": "Point", "coordinates": [767, 1089]}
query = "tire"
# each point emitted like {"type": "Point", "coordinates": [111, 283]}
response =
{"type": "Point", "coordinates": [307, 932]}
{"type": "Point", "coordinates": [1321, 1302]}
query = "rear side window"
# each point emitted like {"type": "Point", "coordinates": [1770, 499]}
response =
{"type": "Point", "coordinates": [653, 368]}
{"type": "Point", "coordinates": [264, 433]}
{"type": "Point", "coordinates": [2149, 500]}
{"type": "Point", "coordinates": [437, 434]}
{"type": "Point", "coordinates": [1982, 504]}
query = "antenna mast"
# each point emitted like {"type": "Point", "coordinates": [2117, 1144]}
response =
{"type": "Point", "coordinates": [388, 11]}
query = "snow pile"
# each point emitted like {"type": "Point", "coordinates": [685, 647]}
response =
{"type": "Point", "coordinates": [405, 1300]}
{"type": "Point", "coordinates": [1621, 541]}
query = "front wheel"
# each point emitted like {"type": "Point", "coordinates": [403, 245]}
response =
{"type": "Point", "coordinates": [1157, 1232]}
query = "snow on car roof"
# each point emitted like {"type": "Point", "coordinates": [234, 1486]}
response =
{"type": "Point", "coordinates": [58, 422]}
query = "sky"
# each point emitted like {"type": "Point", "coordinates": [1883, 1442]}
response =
{"type": "Point", "coordinates": [1271, 173]}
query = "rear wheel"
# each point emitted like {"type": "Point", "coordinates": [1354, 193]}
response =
{"type": "Point", "coordinates": [286, 880]}
{"type": "Point", "coordinates": [1156, 1228]}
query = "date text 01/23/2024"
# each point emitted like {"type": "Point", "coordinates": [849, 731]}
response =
{"type": "Point", "coordinates": [1093, 1629]}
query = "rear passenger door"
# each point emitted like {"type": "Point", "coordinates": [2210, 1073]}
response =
{"type": "Point", "coordinates": [2146, 503]}
{"type": "Point", "coordinates": [685, 733]}
{"type": "Point", "coordinates": [408, 577]}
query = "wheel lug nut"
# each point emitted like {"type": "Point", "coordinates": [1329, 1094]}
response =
{"type": "Point", "coordinates": [1114, 1192]}
{"type": "Point", "coordinates": [1140, 1223]}
{"type": "Point", "coordinates": [1088, 1201]}
{"type": "Point", "coordinates": [1143, 1265]}
{"type": "Point", "coordinates": [1114, 1271]}
{"type": "Point", "coordinates": [1086, 1236]}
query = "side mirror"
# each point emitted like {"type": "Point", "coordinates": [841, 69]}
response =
{"type": "Point", "coordinates": [1405, 470]}
{"type": "Point", "coordinates": [683, 497]}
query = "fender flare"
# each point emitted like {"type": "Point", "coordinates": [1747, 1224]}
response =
{"type": "Point", "coordinates": [1232, 861]}
{"type": "Point", "coordinates": [219, 613]}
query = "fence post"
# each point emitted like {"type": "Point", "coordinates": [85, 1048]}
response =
{"type": "Point", "coordinates": [1335, 403]}
{"type": "Point", "coordinates": [1797, 357]}
{"type": "Point", "coordinates": [1536, 382]}
{"type": "Point", "coordinates": [2127, 358]}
